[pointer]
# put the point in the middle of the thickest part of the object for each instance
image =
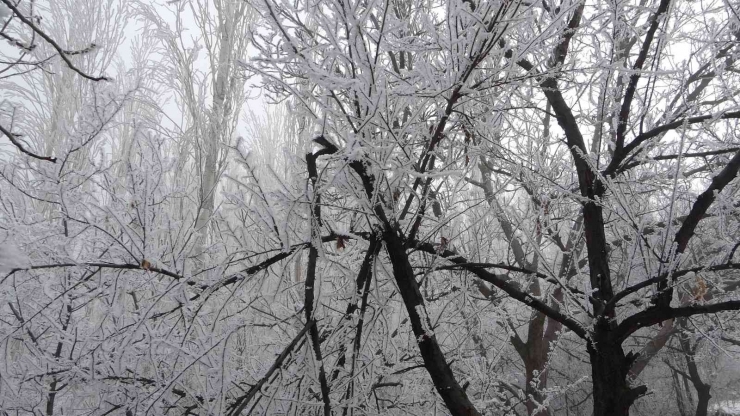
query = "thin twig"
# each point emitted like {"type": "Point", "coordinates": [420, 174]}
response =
{"type": "Point", "coordinates": [20, 147]}
{"type": "Point", "coordinates": [62, 52]}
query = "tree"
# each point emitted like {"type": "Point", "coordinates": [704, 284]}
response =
{"type": "Point", "coordinates": [473, 90]}
{"type": "Point", "coordinates": [54, 107]}
{"type": "Point", "coordinates": [34, 48]}
{"type": "Point", "coordinates": [449, 207]}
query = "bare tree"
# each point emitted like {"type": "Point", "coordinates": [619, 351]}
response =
{"type": "Point", "coordinates": [448, 207]}
{"type": "Point", "coordinates": [473, 92]}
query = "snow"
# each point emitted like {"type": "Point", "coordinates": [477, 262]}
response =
{"type": "Point", "coordinates": [725, 407]}
{"type": "Point", "coordinates": [424, 323]}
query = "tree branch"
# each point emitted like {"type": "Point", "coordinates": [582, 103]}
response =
{"type": "Point", "coordinates": [62, 53]}
{"type": "Point", "coordinates": [682, 155]}
{"type": "Point", "coordinates": [624, 112]}
{"type": "Point", "coordinates": [313, 255]}
{"type": "Point", "coordinates": [614, 168]}
{"type": "Point", "coordinates": [20, 147]}
{"type": "Point", "coordinates": [700, 207]}
{"type": "Point", "coordinates": [241, 402]}
{"type": "Point", "coordinates": [439, 370]}
{"type": "Point", "coordinates": [657, 315]}
{"type": "Point", "coordinates": [676, 274]}
{"type": "Point", "coordinates": [539, 275]}
{"type": "Point", "coordinates": [507, 286]}
{"type": "Point", "coordinates": [732, 341]}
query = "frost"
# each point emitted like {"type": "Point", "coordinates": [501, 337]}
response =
{"type": "Point", "coordinates": [725, 407]}
{"type": "Point", "coordinates": [425, 326]}
{"type": "Point", "coordinates": [444, 140]}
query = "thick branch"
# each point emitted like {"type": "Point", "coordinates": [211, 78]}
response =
{"type": "Point", "coordinates": [313, 255]}
{"type": "Point", "coordinates": [732, 341]}
{"type": "Point", "coordinates": [449, 389]}
{"type": "Point", "coordinates": [704, 201]}
{"type": "Point", "coordinates": [589, 183]}
{"type": "Point", "coordinates": [509, 287]}
{"type": "Point", "coordinates": [614, 168]}
{"type": "Point", "coordinates": [657, 315]}
{"type": "Point", "coordinates": [652, 348]}
{"type": "Point", "coordinates": [676, 274]}
{"type": "Point", "coordinates": [631, 165]}
{"type": "Point", "coordinates": [539, 275]}
{"type": "Point", "coordinates": [700, 207]}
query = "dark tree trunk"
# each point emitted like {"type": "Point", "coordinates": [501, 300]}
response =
{"type": "Point", "coordinates": [702, 407]}
{"type": "Point", "coordinates": [609, 369]}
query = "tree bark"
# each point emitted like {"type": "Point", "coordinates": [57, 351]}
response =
{"type": "Point", "coordinates": [702, 406]}
{"type": "Point", "coordinates": [609, 369]}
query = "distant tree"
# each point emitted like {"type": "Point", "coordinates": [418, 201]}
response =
{"type": "Point", "coordinates": [61, 120]}
{"type": "Point", "coordinates": [32, 48]}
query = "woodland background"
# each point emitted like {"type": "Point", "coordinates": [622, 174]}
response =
{"type": "Point", "coordinates": [364, 207]}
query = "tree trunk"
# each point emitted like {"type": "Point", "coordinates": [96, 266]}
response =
{"type": "Point", "coordinates": [609, 369]}
{"type": "Point", "coordinates": [702, 407]}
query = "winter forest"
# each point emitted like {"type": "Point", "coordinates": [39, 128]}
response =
{"type": "Point", "coordinates": [370, 207]}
